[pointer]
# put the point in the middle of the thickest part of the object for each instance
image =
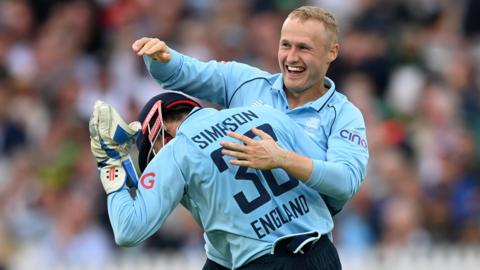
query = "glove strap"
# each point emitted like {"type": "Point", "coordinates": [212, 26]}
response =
{"type": "Point", "coordinates": [130, 170]}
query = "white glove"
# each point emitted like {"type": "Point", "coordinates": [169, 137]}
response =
{"type": "Point", "coordinates": [115, 136]}
{"type": "Point", "coordinates": [110, 138]}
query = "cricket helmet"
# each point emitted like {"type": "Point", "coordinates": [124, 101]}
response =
{"type": "Point", "coordinates": [151, 117]}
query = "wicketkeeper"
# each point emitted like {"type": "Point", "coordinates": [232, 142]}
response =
{"type": "Point", "coordinates": [253, 219]}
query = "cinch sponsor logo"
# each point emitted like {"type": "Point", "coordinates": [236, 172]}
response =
{"type": "Point", "coordinates": [355, 138]}
{"type": "Point", "coordinates": [151, 180]}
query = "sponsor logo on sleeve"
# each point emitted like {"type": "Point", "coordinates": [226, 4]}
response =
{"type": "Point", "coordinates": [148, 180]}
{"type": "Point", "coordinates": [354, 137]}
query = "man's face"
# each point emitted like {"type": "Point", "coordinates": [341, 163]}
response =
{"type": "Point", "coordinates": [304, 53]}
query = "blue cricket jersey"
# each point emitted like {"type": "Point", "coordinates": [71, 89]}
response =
{"type": "Point", "coordinates": [242, 210]}
{"type": "Point", "coordinates": [335, 125]}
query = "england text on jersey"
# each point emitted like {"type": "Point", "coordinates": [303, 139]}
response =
{"type": "Point", "coordinates": [279, 216]}
{"type": "Point", "coordinates": [219, 130]}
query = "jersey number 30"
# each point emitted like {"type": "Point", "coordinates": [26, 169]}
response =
{"type": "Point", "coordinates": [243, 175]}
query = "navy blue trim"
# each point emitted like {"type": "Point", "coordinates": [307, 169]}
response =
{"type": "Point", "coordinates": [332, 210]}
{"type": "Point", "coordinates": [326, 101]}
{"type": "Point", "coordinates": [235, 92]}
{"type": "Point", "coordinates": [334, 118]}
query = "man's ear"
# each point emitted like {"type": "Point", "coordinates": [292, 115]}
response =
{"type": "Point", "coordinates": [333, 52]}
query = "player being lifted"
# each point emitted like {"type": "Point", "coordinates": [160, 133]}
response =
{"type": "Point", "coordinates": [252, 219]}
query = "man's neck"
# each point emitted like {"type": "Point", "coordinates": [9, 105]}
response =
{"type": "Point", "coordinates": [298, 99]}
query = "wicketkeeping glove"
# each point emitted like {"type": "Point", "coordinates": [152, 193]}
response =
{"type": "Point", "coordinates": [110, 139]}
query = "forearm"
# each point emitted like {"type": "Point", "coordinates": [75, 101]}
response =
{"type": "Point", "coordinates": [335, 193]}
{"type": "Point", "coordinates": [126, 218]}
{"type": "Point", "coordinates": [335, 179]}
{"type": "Point", "coordinates": [204, 80]}
{"type": "Point", "coordinates": [134, 220]}
{"type": "Point", "coordinates": [296, 165]}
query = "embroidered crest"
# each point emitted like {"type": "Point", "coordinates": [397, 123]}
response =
{"type": "Point", "coordinates": [313, 123]}
{"type": "Point", "coordinates": [258, 103]}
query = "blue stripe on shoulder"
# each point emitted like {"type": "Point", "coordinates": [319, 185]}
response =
{"type": "Point", "coordinates": [334, 118]}
{"type": "Point", "coordinates": [245, 82]}
{"type": "Point", "coordinates": [326, 101]}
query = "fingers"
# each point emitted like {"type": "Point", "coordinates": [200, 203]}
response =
{"type": "Point", "coordinates": [97, 104]}
{"type": "Point", "coordinates": [235, 154]}
{"type": "Point", "coordinates": [145, 49]}
{"type": "Point", "coordinates": [104, 120]}
{"type": "Point", "coordinates": [240, 137]}
{"type": "Point", "coordinates": [135, 126]}
{"type": "Point", "coordinates": [234, 146]}
{"type": "Point", "coordinates": [92, 128]}
{"type": "Point", "coordinates": [243, 163]}
{"type": "Point", "coordinates": [119, 132]}
{"type": "Point", "coordinates": [139, 43]}
{"type": "Point", "coordinates": [93, 122]}
{"type": "Point", "coordinates": [163, 57]}
{"type": "Point", "coordinates": [118, 124]}
{"type": "Point", "coordinates": [261, 133]}
{"type": "Point", "coordinates": [152, 47]}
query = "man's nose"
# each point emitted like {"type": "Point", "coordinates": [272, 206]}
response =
{"type": "Point", "coordinates": [292, 55]}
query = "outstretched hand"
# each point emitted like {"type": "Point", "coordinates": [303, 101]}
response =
{"type": "Point", "coordinates": [264, 154]}
{"type": "Point", "coordinates": [153, 47]}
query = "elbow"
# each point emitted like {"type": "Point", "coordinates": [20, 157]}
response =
{"type": "Point", "coordinates": [346, 194]}
{"type": "Point", "coordinates": [123, 240]}
{"type": "Point", "coordinates": [125, 237]}
{"type": "Point", "coordinates": [352, 187]}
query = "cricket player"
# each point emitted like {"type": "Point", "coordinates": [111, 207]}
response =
{"type": "Point", "coordinates": [307, 46]}
{"type": "Point", "coordinates": [253, 219]}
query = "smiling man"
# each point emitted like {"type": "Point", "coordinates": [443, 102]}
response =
{"type": "Point", "coordinates": [307, 46]}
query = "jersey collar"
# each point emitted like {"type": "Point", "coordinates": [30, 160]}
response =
{"type": "Point", "coordinates": [316, 104]}
{"type": "Point", "coordinates": [196, 112]}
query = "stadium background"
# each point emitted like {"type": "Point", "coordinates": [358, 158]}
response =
{"type": "Point", "coordinates": [411, 66]}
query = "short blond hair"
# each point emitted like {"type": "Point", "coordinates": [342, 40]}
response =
{"type": "Point", "coordinates": [305, 13]}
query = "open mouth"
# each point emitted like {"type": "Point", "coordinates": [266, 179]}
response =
{"type": "Point", "coordinates": [294, 70]}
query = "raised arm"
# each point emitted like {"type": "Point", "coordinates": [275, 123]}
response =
{"type": "Point", "coordinates": [132, 219]}
{"type": "Point", "coordinates": [213, 81]}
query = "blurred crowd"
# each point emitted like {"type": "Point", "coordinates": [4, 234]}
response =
{"type": "Point", "coordinates": [411, 66]}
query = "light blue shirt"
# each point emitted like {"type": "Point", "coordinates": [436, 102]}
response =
{"type": "Point", "coordinates": [242, 210]}
{"type": "Point", "coordinates": [335, 125]}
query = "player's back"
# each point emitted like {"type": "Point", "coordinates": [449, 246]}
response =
{"type": "Point", "coordinates": [243, 211]}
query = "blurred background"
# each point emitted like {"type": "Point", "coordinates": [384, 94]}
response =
{"type": "Point", "coordinates": [411, 66]}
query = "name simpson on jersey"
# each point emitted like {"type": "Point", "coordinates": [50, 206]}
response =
{"type": "Point", "coordinates": [219, 130]}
